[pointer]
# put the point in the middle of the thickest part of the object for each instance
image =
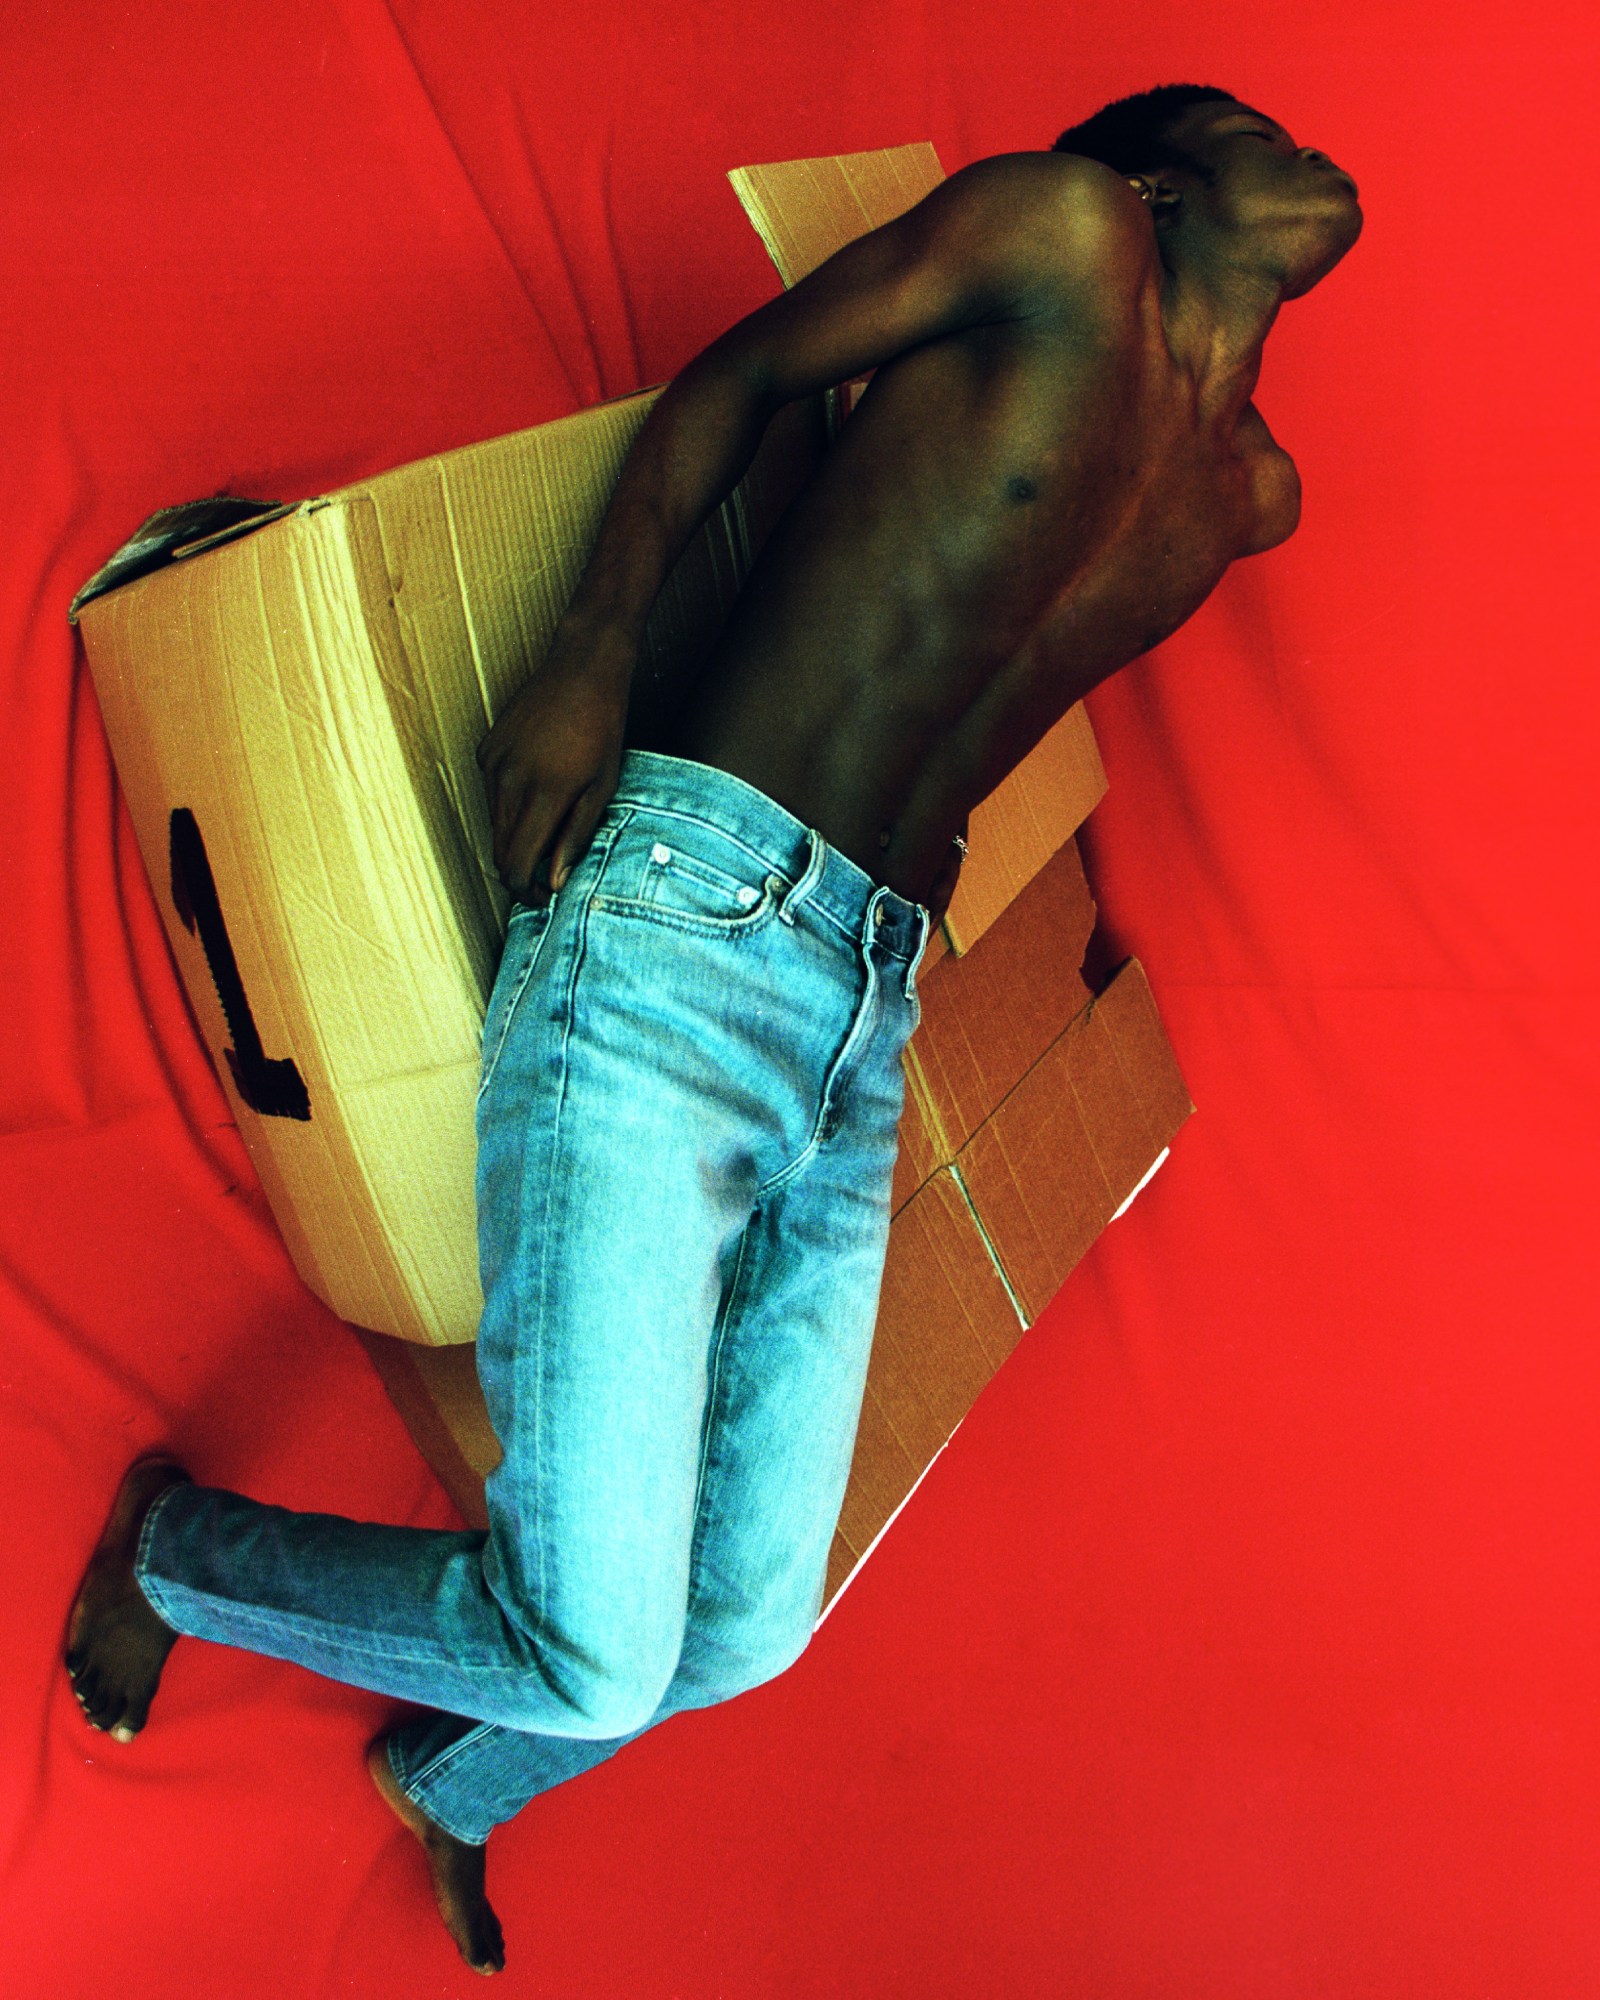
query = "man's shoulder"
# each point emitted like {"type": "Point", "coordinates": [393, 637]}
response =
{"type": "Point", "coordinates": [1066, 223]}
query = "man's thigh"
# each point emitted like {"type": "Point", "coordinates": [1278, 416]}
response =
{"type": "Point", "coordinates": [622, 1137]}
{"type": "Point", "coordinates": [788, 1373]}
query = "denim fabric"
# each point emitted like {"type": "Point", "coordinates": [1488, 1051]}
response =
{"type": "Point", "coordinates": [686, 1129]}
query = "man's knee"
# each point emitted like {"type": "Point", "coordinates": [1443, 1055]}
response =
{"type": "Point", "coordinates": [611, 1673]}
{"type": "Point", "coordinates": [596, 1701]}
{"type": "Point", "coordinates": [719, 1664]}
{"type": "Point", "coordinates": [609, 1657]}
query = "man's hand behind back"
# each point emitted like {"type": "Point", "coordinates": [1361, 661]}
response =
{"type": "Point", "coordinates": [551, 760]}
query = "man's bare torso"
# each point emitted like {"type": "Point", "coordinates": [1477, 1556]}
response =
{"type": "Point", "coordinates": [1013, 512]}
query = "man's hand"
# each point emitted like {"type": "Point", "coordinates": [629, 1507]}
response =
{"type": "Point", "coordinates": [551, 760]}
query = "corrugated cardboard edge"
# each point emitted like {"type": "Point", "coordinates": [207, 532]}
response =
{"type": "Point", "coordinates": [1023, 822]}
{"type": "Point", "coordinates": [436, 1391]}
{"type": "Point", "coordinates": [805, 210]}
{"type": "Point", "coordinates": [1112, 1077]}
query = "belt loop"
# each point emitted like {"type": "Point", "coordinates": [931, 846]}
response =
{"type": "Point", "coordinates": [809, 877]}
{"type": "Point", "coordinates": [925, 925]}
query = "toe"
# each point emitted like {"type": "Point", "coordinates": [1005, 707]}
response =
{"type": "Point", "coordinates": [490, 1952]}
{"type": "Point", "coordinates": [134, 1718]}
{"type": "Point", "coordinates": [111, 1715]}
{"type": "Point", "coordinates": [105, 1706]}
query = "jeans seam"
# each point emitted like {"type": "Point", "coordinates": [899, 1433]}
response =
{"type": "Point", "coordinates": [728, 1314]}
{"type": "Point", "coordinates": [141, 1554]}
{"type": "Point", "coordinates": [720, 930]}
{"type": "Point", "coordinates": [711, 826]}
{"type": "Point", "coordinates": [344, 1637]}
{"type": "Point", "coordinates": [451, 1751]}
{"type": "Point", "coordinates": [418, 1785]}
{"type": "Point", "coordinates": [553, 1180]}
{"type": "Point", "coordinates": [512, 1005]}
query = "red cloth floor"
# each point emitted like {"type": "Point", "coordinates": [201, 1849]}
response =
{"type": "Point", "coordinates": [1243, 1642]}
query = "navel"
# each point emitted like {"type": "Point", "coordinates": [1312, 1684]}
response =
{"type": "Point", "coordinates": [1020, 487]}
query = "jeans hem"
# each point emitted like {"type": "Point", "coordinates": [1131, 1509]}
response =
{"type": "Point", "coordinates": [410, 1788]}
{"type": "Point", "coordinates": [153, 1594]}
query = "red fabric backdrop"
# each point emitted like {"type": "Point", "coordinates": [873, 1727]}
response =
{"type": "Point", "coordinates": [1243, 1643]}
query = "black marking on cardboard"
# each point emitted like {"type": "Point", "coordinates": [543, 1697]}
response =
{"type": "Point", "coordinates": [272, 1086]}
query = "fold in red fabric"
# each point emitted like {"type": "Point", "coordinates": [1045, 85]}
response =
{"type": "Point", "coordinates": [1242, 1642]}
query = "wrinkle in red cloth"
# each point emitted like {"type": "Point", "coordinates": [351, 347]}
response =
{"type": "Point", "coordinates": [1241, 1642]}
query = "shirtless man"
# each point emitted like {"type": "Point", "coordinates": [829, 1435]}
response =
{"type": "Point", "coordinates": [1055, 463]}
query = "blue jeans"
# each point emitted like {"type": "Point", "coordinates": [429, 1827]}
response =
{"type": "Point", "coordinates": [686, 1134]}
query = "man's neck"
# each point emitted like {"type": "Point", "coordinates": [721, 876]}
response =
{"type": "Point", "coordinates": [1216, 313]}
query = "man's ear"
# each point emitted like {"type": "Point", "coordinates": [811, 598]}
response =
{"type": "Point", "coordinates": [1158, 194]}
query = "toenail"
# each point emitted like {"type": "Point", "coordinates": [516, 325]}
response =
{"type": "Point", "coordinates": [122, 1735]}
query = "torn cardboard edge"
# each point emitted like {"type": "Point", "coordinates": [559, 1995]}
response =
{"type": "Point", "coordinates": [805, 210]}
{"type": "Point", "coordinates": [171, 533]}
{"type": "Point", "coordinates": [860, 1562]}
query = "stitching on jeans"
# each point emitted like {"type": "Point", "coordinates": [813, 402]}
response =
{"type": "Point", "coordinates": [553, 1179]}
{"type": "Point", "coordinates": [451, 1751]}
{"type": "Point", "coordinates": [732, 930]}
{"type": "Point", "coordinates": [440, 1819]}
{"type": "Point", "coordinates": [513, 1004]}
{"type": "Point", "coordinates": [710, 825]}
{"type": "Point", "coordinates": [425, 1802]}
{"type": "Point", "coordinates": [728, 1313]}
{"type": "Point", "coordinates": [810, 902]}
{"type": "Point", "coordinates": [785, 1175]}
{"type": "Point", "coordinates": [141, 1554]}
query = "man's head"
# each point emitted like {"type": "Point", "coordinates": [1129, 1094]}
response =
{"type": "Point", "coordinates": [1231, 177]}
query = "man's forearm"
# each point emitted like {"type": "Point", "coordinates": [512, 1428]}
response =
{"type": "Point", "coordinates": [552, 756]}
{"type": "Point", "coordinates": [695, 447]}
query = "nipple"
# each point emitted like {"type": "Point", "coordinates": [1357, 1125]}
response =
{"type": "Point", "coordinates": [886, 836]}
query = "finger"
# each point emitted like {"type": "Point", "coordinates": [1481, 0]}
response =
{"type": "Point", "coordinates": [527, 845]}
{"type": "Point", "coordinates": [577, 830]}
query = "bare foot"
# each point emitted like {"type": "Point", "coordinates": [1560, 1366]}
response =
{"type": "Point", "coordinates": [116, 1644]}
{"type": "Point", "coordinates": [456, 1867]}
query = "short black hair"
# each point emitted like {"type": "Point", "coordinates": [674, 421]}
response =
{"type": "Point", "coordinates": [1130, 134]}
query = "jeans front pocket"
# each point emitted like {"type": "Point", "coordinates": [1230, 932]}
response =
{"type": "Point", "coordinates": [688, 875]}
{"type": "Point", "coordinates": [525, 933]}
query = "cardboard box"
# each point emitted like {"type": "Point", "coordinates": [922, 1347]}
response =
{"type": "Point", "coordinates": [295, 712]}
{"type": "Point", "coordinates": [295, 702]}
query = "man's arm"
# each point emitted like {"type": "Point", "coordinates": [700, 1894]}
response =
{"type": "Point", "coordinates": [972, 251]}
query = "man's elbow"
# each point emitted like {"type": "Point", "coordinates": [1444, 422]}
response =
{"type": "Point", "coordinates": [739, 370]}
